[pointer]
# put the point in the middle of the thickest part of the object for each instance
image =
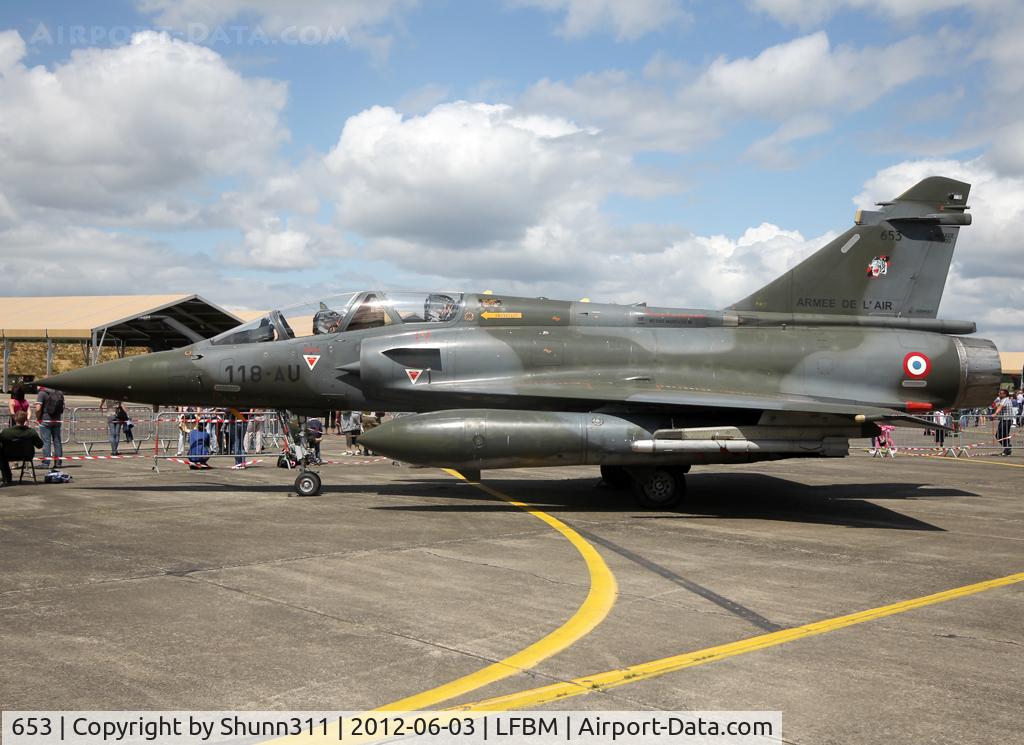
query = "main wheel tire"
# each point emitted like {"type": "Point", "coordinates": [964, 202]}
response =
{"type": "Point", "coordinates": [660, 488]}
{"type": "Point", "coordinates": [616, 477]}
{"type": "Point", "coordinates": [307, 484]}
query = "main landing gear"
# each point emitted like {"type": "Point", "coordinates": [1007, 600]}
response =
{"type": "Point", "coordinates": [655, 487]}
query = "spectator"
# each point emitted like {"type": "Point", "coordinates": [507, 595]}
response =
{"type": "Point", "coordinates": [115, 425]}
{"type": "Point", "coordinates": [236, 436]}
{"type": "Point", "coordinates": [212, 429]}
{"type": "Point", "coordinates": [315, 435]}
{"type": "Point", "coordinates": [50, 413]}
{"type": "Point", "coordinates": [371, 419]}
{"type": "Point", "coordinates": [129, 429]}
{"type": "Point", "coordinates": [254, 434]}
{"type": "Point", "coordinates": [942, 419]}
{"type": "Point", "coordinates": [10, 443]}
{"type": "Point", "coordinates": [183, 430]}
{"type": "Point", "coordinates": [1018, 404]}
{"type": "Point", "coordinates": [17, 403]}
{"type": "Point", "coordinates": [351, 427]}
{"type": "Point", "coordinates": [223, 430]}
{"type": "Point", "coordinates": [198, 446]}
{"type": "Point", "coordinates": [1003, 407]}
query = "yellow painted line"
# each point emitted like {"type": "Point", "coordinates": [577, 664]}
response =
{"type": "Point", "coordinates": [598, 603]}
{"type": "Point", "coordinates": [645, 671]}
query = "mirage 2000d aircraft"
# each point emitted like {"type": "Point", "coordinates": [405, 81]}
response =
{"type": "Point", "coordinates": [842, 342]}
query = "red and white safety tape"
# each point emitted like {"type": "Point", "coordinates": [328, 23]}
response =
{"type": "Point", "coordinates": [236, 466]}
{"type": "Point", "coordinates": [352, 462]}
{"type": "Point", "coordinates": [95, 457]}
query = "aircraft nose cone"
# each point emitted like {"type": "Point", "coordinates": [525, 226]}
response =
{"type": "Point", "coordinates": [107, 380]}
{"type": "Point", "coordinates": [157, 378]}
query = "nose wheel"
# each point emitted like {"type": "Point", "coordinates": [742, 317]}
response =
{"type": "Point", "coordinates": [297, 454]}
{"type": "Point", "coordinates": [307, 484]}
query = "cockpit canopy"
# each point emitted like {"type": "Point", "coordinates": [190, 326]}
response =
{"type": "Point", "coordinates": [351, 311]}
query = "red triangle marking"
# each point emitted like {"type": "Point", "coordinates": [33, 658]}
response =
{"type": "Point", "coordinates": [311, 360]}
{"type": "Point", "coordinates": [414, 375]}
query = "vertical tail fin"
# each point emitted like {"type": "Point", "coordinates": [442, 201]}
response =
{"type": "Point", "coordinates": [892, 262]}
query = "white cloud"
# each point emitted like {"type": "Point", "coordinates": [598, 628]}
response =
{"type": "Point", "coordinates": [112, 131]}
{"type": "Point", "coordinates": [465, 174]}
{"type": "Point", "coordinates": [357, 22]}
{"type": "Point", "coordinates": [579, 252]}
{"type": "Point", "coordinates": [7, 213]}
{"type": "Point", "coordinates": [631, 115]}
{"type": "Point", "coordinates": [275, 246]}
{"type": "Point", "coordinates": [296, 191]}
{"type": "Point", "coordinates": [806, 13]}
{"type": "Point", "coordinates": [12, 49]}
{"type": "Point", "coordinates": [275, 16]}
{"type": "Point", "coordinates": [999, 46]}
{"type": "Point", "coordinates": [803, 80]}
{"type": "Point", "coordinates": [775, 151]}
{"type": "Point", "coordinates": [1007, 151]}
{"type": "Point", "coordinates": [627, 20]}
{"type": "Point", "coordinates": [40, 259]}
{"type": "Point", "coordinates": [423, 99]}
{"type": "Point", "coordinates": [809, 74]}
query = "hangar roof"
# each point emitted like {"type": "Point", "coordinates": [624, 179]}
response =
{"type": "Point", "coordinates": [72, 318]}
{"type": "Point", "coordinates": [1013, 362]}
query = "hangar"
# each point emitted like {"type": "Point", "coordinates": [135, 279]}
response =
{"type": "Point", "coordinates": [120, 321]}
{"type": "Point", "coordinates": [1013, 368]}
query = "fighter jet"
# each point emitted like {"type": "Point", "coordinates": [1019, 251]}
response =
{"type": "Point", "coordinates": [845, 341]}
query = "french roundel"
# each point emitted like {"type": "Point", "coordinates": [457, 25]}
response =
{"type": "Point", "coordinates": [917, 365]}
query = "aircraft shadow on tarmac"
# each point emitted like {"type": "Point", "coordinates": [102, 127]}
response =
{"type": "Point", "coordinates": [747, 496]}
{"type": "Point", "coordinates": [722, 496]}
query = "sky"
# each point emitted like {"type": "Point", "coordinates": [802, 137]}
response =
{"type": "Point", "coordinates": [678, 152]}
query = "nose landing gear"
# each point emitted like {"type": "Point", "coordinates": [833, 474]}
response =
{"type": "Point", "coordinates": [298, 455]}
{"type": "Point", "coordinates": [308, 484]}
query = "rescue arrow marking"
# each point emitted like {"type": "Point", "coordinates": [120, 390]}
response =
{"type": "Point", "coordinates": [489, 314]}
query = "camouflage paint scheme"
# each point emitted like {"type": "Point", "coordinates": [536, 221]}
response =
{"type": "Point", "coordinates": [816, 357]}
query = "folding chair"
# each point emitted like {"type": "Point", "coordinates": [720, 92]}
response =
{"type": "Point", "coordinates": [23, 453]}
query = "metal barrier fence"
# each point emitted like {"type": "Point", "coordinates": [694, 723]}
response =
{"type": "Point", "coordinates": [65, 430]}
{"type": "Point", "coordinates": [261, 431]}
{"type": "Point", "coordinates": [90, 426]}
{"type": "Point", "coordinates": [972, 434]}
{"type": "Point", "coordinates": [222, 435]}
